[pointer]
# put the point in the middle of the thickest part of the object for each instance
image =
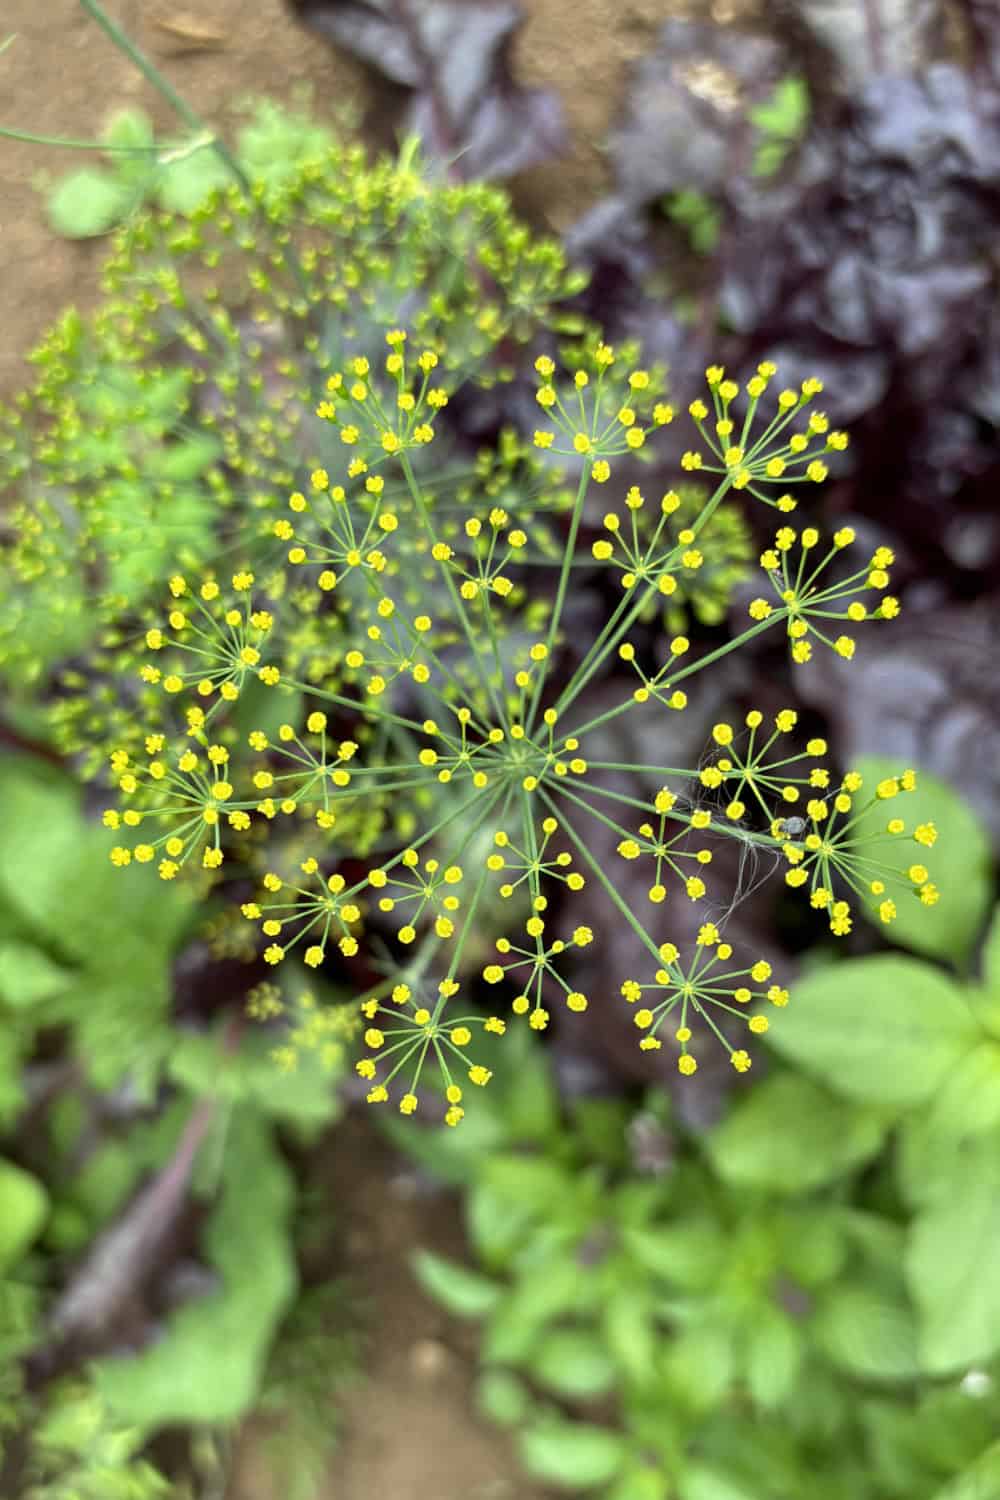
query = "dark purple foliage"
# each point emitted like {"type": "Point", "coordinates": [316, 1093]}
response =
{"type": "Point", "coordinates": [455, 57]}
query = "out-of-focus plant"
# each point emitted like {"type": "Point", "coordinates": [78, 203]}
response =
{"type": "Point", "coordinates": [697, 215]}
{"type": "Point", "coordinates": [115, 1116]}
{"type": "Point", "coordinates": [777, 124]}
{"type": "Point", "coordinates": [178, 176]}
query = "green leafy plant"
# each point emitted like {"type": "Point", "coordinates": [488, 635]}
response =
{"type": "Point", "coordinates": [204, 1109]}
{"type": "Point", "coordinates": [178, 177]}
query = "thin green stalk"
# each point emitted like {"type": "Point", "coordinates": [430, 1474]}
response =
{"type": "Point", "coordinates": [69, 143]}
{"type": "Point", "coordinates": [695, 666]}
{"type": "Point", "coordinates": [609, 889]}
{"type": "Point", "coordinates": [151, 72]}
{"type": "Point", "coordinates": [456, 599]}
{"type": "Point", "coordinates": [191, 118]}
{"type": "Point", "coordinates": [616, 629]}
{"type": "Point", "coordinates": [574, 528]}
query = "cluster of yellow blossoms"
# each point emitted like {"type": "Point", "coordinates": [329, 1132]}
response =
{"type": "Point", "coordinates": [432, 762]}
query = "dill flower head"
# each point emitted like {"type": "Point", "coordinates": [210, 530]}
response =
{"type": "Point", "coordinates": [350, 680]}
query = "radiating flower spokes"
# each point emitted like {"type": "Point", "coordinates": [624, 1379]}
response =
{"type": "Point", "coordinates": [433, 693]}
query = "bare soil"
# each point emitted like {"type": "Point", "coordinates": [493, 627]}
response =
{"type": "Point", "coordinates": [409, 1429]}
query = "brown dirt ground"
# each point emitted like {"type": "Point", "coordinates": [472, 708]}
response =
{"type": "Point", "coordinates": [409, 1428]}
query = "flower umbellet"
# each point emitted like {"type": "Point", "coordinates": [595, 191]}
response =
{"type": "Point", "coordinates": [426, 680]}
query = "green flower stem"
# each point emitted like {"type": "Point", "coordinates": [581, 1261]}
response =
{"type": "Point", "coordinates": [633, 766]}
{"type": "Point", "coordinates": [66, 142]}
{"type": "Point", "coordinates": [415, 636]}
{"type": "Point", "coordinates": [385, 715]}
{"type": "Point", "coordinates": [595, 867]}
{"type": "Point", "coordinates": [585, 670]}
{"type": "Point", "coordinates": [463, 935]}
{"type": "Point", "coordinates": [456, 598]}
{"type": "Point", "coordinates": [574, 528]}
{"type": "Point", "coordinates": [162, 85]}
{"type": "Point", "coordinates": [696, 666]}
{"type": "Point", "coordinates": [466, 928]}
{"type": "Point", "coordinates": [432, 833]}
{"type": "Point", "coordinates": [615, 630]}
{"type": "Point", "coordinates": [191, 118]}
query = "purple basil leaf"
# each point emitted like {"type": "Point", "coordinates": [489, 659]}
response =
{"type": "Point", "coordinates": [468, 108]}
{"type": "Point", "coordinates": [862, 37]}
{"type": "Point", "coordinates": [684, 122]}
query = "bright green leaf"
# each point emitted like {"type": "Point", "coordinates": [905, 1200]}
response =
{"type": "Point", "coordinates": [56, 876]}
{"type": "Point", "coordinates": [774, 1352]}
{"type": "Point", "coordinates": [573, 1363]}
{"type": "Point", "coordinates": [502, 1398]}
{"type": "Point", "coordinates": [925, 1160]}
{"type": "Point", "coordinates": [88, 202]}
{"type": "Point", "coordinates": [882, 1030]}
{"type": "Point", "coordinates": [186, 183]}
{"type": "Point", "coordinates": [496, 1223]}
{"type": "Point", "coordinates": [534, 1182]}
{"type": "Point", "coordinates": [960, 865]}
{"type": "Point", "coordinates": [952, 1268]}
{"type": "Point", "coordinates": [24, 1205]}
{"type": "Point", "coordinates": [645, 1483]}
{"type": "Point", "coordinates": [463, 1292]}
{"type": "Point", "coordinates": [27, 975]}
{"type": "Point", "coordinates": [688, 1254]}
{"type": "Point", "coordinates": [868, 1332]}
{"type": "Point", "coordinates": [699, 1366]}
{"type": "Point", "coordinates": [274, 145]}
{"type": "Point", "coordinates": [811, 1244]}
{"type": "Point", "coordinates": [573, 1455]}
{"type": "Point", "coordinates": [544, 1293]}
{"type": "Point", "coordinates": [786, 113]}
{"type": "Point", "coordinates": [702, 1481]}
{"type": "Point", "coordinates": [127, 130]}
{"type": "Point", "coordinates": [791, 1135]}
{"type": "Point", "coordinates": [980, 1481]}
{"type": "Point", "coordinates": [968, 1102]}
{"type": "Point", "coordinates": [629, 1331]}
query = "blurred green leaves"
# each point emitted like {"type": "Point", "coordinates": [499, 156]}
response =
{"type": "Point", "coordinates": [883, 1030]}
{"type": "Point", "coordinates": [776, 1310]}
{"type": "Point", "coordinates": [755, 1147]}
{"type": "Point", "coordinates": [23, 1209]}
{"type": "Point", "coordinates": [177, 177]}
{"type": "Point", "coordinates": [77, 945]}
{"type": "Point", "coordinates": [207, 1366]}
